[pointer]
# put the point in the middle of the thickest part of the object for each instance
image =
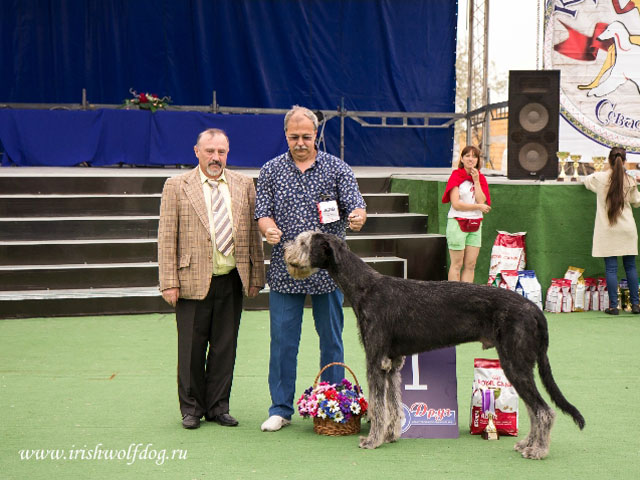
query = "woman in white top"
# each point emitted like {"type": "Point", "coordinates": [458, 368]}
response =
{"type": "Point", "coordinates": [615, 233]}
{"type": "Point", "coordinates": [468, 192]}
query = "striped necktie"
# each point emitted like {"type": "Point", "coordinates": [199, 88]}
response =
{"type": "Point", "coordinates": [221, 221]}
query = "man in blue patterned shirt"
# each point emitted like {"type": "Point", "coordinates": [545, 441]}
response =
{"type": "Point", "coordinates": [301, 190]}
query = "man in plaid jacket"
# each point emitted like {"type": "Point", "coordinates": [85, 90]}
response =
{"type": "Point", "coordinates": [204, 284]}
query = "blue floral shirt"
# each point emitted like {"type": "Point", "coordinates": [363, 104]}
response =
{"type": "Point", "coordinates": [290, 198]}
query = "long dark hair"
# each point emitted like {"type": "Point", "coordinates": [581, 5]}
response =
{"type": "Point", "coordinates": [476, 153]}
{"type": "Point", "coordinates": [616, 193]}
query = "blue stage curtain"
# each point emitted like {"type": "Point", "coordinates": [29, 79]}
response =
{"type": "Point", "coordinates": [372, 55]}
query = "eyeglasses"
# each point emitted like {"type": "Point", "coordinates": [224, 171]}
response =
{"type": "Point", "coordinates": [295, 138]}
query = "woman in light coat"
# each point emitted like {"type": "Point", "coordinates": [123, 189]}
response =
{"type": "Point", "coordinates": [615, 233]}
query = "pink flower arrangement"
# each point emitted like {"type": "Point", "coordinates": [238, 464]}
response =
{"type": "Point", "coordinates": [337, 402]}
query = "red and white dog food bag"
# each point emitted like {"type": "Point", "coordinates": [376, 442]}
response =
{"type": "Point", "coordinates": [508, 253]}
{"type": "Point", "coordinates": [489, 375]}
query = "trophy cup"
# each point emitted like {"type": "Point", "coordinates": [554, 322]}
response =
{"type": "Point", "coordinates": [598, 163]}
{"type": "Point", "coordinates": [488, 407]}
{"type": "Point", "coordinates": [562, 158]}
{"type": "Point", "coordinates": [576, 162]}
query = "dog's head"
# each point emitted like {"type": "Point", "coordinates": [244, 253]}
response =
{"type": "Point", "coordinates": [614, 28]}
{"type": "Point", "coordinates": [309, 252]}
{"type": "Point", "coordinates": [296, 256]}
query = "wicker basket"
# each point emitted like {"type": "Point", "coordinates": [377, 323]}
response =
{"type": "Point", "coordinates": [326, 426]}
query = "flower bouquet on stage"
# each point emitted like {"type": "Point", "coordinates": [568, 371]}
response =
{"type": "Point", "coordinates": [336, 408]}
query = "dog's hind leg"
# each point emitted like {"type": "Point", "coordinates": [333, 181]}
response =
{"type": "Point", "coordinates": [376, 378]}
{"type": "Point", "coordinates": [519, 371]}
{"type": "Point", "coordinates": [393, 402]}
{"type": "Point", "coordinates": [526, 441]}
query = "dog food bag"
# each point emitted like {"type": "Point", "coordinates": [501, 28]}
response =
{"type": "Point", "coordinates": [579, 300]}
{"type": "Point", "coordinates": [508, 253]}
{"type": "Point", "coordinates": [577, 287]}
{"type": "Point", "coordinates": [603, 294]}
{"type": "Point", "coordinates": [567, 298]}
{"type": "Point", "coordinates": [554, 296]}
{"type": "Point", "coordinates": [590, 286]}
{"type": "Point", "coordinates": [489, 375]}
{"type": "Point", "coordinates": [531, 286]}
{"type": "Point", "coordinates": [510, 279]}
{"type": "Point", "coordinates": [595, 296]}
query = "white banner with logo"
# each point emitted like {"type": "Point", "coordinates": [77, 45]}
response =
{"type": "Point", "coordinates": [596, 46]}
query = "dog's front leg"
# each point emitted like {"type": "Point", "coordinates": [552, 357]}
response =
{"type": "Point", "coordinates": [377, 416]}
{"type": "Point", "coordinates": [393, 402]}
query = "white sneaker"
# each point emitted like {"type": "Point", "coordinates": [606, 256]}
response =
{"type": "Point", "coordinates": [274, 423]}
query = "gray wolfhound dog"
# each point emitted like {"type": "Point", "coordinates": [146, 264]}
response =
{"type": "Point", "coordinates": [398, 317]}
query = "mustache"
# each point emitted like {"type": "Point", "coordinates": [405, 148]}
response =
{"type": "Point", "coordinates": [301, 147]}
{"type": "Point", "coordinates": [215, 163]}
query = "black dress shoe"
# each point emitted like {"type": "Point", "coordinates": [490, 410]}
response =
{"type": "Point", "coordinates": [635, 309]}
{"type": "Point", "coordinates": [224, 419]}
{"type": "Point", "coordinates": [190, 421]}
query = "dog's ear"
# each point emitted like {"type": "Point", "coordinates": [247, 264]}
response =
{"type": "Point", "coordinates": [322, 253]}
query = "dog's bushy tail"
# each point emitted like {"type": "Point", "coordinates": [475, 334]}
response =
{"type": "Point", "coordinates": [544, 369]}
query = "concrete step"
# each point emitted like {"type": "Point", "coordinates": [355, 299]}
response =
{"type": "Point", "coordinates": [31, 302]}
{"type": "Point", "coordinates": [75, 302]}
{"type": "Point", "coordinates": [425, 252]}
{"type": "Point", "coordinates": [146, 226]}
{"type": "Point", "coordinates": [124, 181]}
{"type": "Point", "coordinates": [88, 205]}
{"type": "Point", "coordinates": [116, 275]}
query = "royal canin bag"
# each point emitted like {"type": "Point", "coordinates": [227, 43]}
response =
{"type": "Point", "coordinates": [469, 224]}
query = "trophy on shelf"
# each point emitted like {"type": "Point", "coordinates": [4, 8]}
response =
{"type": "Point", "coordinates": [576, 162]}
{"type": "Point", "coordinates": [562, 158]}
{"type": "Point", "coordinates": [598, 163]}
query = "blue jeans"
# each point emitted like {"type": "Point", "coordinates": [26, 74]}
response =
{"type": "Point", "coordinates": [611, 268]}
{"type": "Point", "coordinates": [286, 311]}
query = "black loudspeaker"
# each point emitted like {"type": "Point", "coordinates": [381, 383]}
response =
{"type": "Point", "coordinates": [534, 113]}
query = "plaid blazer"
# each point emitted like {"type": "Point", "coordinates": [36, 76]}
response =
{"type": "Point", "coordinates": [184, 240]}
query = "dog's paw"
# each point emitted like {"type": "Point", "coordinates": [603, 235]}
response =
{"type": "Point", "coordinates": [522, 444]}
{"type": "Point", "coordinates": [391, 438]}
{"type": "Point", "coordinates": [534, 453]}
{"type": "Point", "coordinates": [366, 442]}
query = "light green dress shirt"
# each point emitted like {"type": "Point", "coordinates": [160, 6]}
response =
{"type": "Point", "coordinates": [221, 264]}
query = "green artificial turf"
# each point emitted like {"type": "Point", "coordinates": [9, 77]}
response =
{"type": "Point", "coordinates": [109, 382]}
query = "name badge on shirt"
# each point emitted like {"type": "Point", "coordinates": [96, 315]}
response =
{"type": "Point", "coordinates": [328, 211]}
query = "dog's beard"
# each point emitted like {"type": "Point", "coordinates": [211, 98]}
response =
{"type": "Point", "coordinates": [297, 267]}
{"type": "Point", "coordinates": [300, 273]}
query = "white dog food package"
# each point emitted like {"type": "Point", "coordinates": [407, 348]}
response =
{"type": "Point", "coordinates": [531, 287]}
{"type": "Point", "coordinates": [489, 375]}
{"type": "Point", "coordinates": [603, 294]}
{"type": "Point", "coordinates": [567, 299]}
{"type": "Point", "coordinates": [508, 253]}
{"type": "Point", "coordinates": [554, 296]}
